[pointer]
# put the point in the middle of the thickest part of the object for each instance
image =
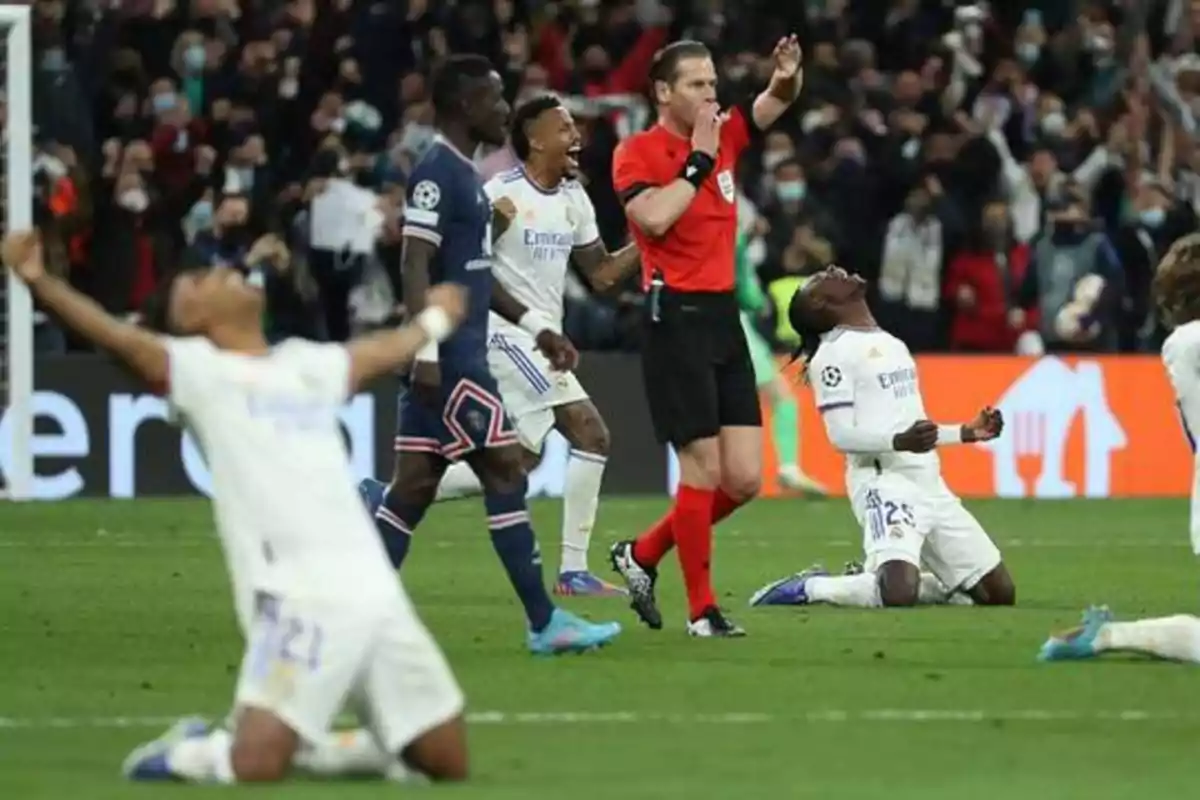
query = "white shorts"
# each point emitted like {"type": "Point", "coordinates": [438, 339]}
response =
{"type": "Point", "coordinates": [529, 388]}
{"type": "Point", "coordinates": [923, 526]}
{"type": "Point", "coordinates": [306, 660]}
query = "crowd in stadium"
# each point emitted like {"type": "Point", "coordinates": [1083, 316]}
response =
{"type": "Point", "coordinates": [1006, 176]}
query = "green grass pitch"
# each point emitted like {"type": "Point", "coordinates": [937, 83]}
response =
{"type": "Point", "coordinates": [116, 614]}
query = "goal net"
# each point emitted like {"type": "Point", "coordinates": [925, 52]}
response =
{"type": "Point", "coordinates": [16, 188]}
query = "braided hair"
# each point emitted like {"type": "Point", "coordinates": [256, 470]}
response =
{"type": "Point", "coordinates": [807, 324]}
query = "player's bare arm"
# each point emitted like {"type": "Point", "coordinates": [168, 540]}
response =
{"type": "Point", "coordinates": [556, 347]}
{"type": "Point", "coordinates": [384, 352]}
{"type": "Point", "coordinates": [655, 209]}
{"type": "Point", "coordinates": [415, 259]}
{"type": "Point", "coordinates": [786, 82]}
{"type": "Point", "coordinates": [140, 349]}
{"type": "Point", "coordinates": [605, 270]}
{"type": "Point", "coordinates": [504, 211]}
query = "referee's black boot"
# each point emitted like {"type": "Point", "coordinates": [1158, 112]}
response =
{"type": "Point", "coordinates": [713, 624]}
{"type": "Point", "coordinates": [640, 581]}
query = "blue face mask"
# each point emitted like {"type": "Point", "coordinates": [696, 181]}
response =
{"type": "Point", "coordinates": [201, 216]}
{"type": "Point", "coordinates": [1029, 52]}
{"type": "Point", "coordinates": [54, 60]}
{"type": "Point", "coordinates": [1153, 217]}
{"type": "Point", "coordinates": [195, 57]}
{"type": "Point", "coordinates": [163, 103]}
{"type": "Point", "coordinates": [791, 191]}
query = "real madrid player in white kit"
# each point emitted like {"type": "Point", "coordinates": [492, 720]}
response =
{"type": "Point", "coordinates": [545, 220]}
{"type": "Point", "coordinates": [865, 382]}
{"type": "Point", "coordinates": [331, 625]}
{"type": "Point", "coordinates": [1177, 291]}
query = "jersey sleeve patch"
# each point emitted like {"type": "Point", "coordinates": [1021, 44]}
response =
{"type": "Point", "coordinates": [422, 213]}
{"type": "Point", "coordinates": [832, 384]}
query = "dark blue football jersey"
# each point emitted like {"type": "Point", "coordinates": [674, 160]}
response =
{"type": "Point", "coordinates": [448, 208]}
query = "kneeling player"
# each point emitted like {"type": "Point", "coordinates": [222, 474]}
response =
{"type": "Point", "coordinates": [548, 221]}
{"type": "Point", "coordinates": [1177, 292]}
{"type": "Point", "coordinates": [865, 381]}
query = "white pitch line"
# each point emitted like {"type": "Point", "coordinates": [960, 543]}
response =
{"type": "Point", "coordinates": [1091, 544]}
{"type": "Point", "coordinates": [552, 718]}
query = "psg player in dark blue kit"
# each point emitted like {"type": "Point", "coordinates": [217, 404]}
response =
{"type": "Point", "coordinates": [451, 410]}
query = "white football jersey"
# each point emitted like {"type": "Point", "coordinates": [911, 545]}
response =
{"type": "Point", "coordinates": [530, 258]}
{"type": "Point", "coordinates": [1181, 356]}
{"type": "Point", "coordinates": [874, 374]}
{"type": "Point", "coordinates": [287, 511]}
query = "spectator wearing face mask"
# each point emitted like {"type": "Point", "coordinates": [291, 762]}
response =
{"type": "Point", "coordinates": [1075, 281]}
{"type": "Point", "coordinates": [1154, 222]}
{"type": "Point", "coordinates": [983, 286]}
{"type": "Point", "coordinates": [175, 138]}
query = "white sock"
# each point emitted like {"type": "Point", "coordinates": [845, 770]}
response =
{"type": "Point", "coordinates": [931, 591]}
{"type": "Point", "coordinates": [581, 497]}
{"type": "Point", "coordinates": [459, 481]}
{"type": "Point", "coordinates": [204, 760]}
{"type": "Point", "coordinates": [344, 753]}
{"type": "Point", "coordinates": [1176, 638]}
{"type": "Point", "coordinates": [858, 591]}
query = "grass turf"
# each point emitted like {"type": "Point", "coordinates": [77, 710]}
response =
{"type": "Point", "coordinates": [113, 610]}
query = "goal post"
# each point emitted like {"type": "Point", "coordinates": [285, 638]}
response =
{"type": "Point", "coordinates": [18, 167]}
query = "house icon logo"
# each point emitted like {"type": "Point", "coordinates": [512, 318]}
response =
{"type": "Point", "coordinates": [1041, 409]}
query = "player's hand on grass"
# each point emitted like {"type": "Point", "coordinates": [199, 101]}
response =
{"type": "Point", "coordinates": [985, 427]}
{"type": "Point", "coordinates": [706, 133]}
{"type": "Point", "coordinates": [451, 298]}
{"type": "Point", "coordinates": [558, 349]}
{"type": "Point", "coordinates": [921, 437]}
{"type": "Point", "coordinates": [22, 253]}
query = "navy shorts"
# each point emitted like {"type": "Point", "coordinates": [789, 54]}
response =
{"type": "Point", "coordinates": [469, 417]}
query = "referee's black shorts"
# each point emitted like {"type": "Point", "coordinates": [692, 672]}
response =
{"type": "Point", "coordinates": [697, 368]}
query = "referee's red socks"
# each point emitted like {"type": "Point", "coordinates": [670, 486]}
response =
{"type": "Point", "coordinates": [692, 524]}
{"type": "Point", "coordinates": [653, 545]}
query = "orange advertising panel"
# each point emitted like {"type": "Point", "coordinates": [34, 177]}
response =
{"type": "Point", "coordinates": [1075, 427]}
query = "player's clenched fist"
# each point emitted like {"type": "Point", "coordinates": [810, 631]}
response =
{"type": "Point", "coordinates": [22, 253]}
{"type": "Point", "coordinates": [706, 133]}
{"type": "Point", "coordinates": [985, 427]}
{"type": "Point", "coordinates": [921, 437]}
{"type": "Point", "coordinates": [558, 350]}
{"type": "Point", "coordinates": [450, 298]}
{"type": "Point", "coordinates": [504, 211]}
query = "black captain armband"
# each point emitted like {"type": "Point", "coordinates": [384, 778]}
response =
{"type": "Point", "coordinates": [697, 167]}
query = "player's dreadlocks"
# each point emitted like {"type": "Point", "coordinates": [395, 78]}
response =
{"type": "Point", "coordinates": [1177, 281]}
{"type": "Point", "coordinates": [809, 325]}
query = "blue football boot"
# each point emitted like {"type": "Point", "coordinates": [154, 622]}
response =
{"type": "Point", "coordinates": [150, 761]}
{"type": "Point", "coordinates": [1077, 643]}
{"type": "Point", "coordinates": [568, 633]}
{"type": "Point", "coordinates": [585, 584]}
{"type": "Point", "coordinates": [789, 591]}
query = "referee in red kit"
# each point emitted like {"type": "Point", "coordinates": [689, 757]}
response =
{"type": "Point", "coordinates": [676, 181]}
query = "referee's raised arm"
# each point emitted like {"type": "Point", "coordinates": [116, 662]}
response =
{"type": "Point", "coordinates": [676, 181]}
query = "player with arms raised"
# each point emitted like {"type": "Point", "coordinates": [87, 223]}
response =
{"type": "Point", "coordinates": [677, 183]}
{"type": "Point", "coordinates": [865, 382]}
{"type": "Point", "coordinates": [453, 410]}
{"type": "Point", "coordinates": [1177, 291]}
{"type": "Point", "coordinates": [324, 617]}
{"type": "Point", "coordinates": [545, 220]}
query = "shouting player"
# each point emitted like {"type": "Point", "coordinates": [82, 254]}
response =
{"type": "Point", "coordinates": [452, 410]}
{"type": "Point", "coordinates": [865, 382]}
{"type": "Point", "coordinates": [324, 617]}
{"type": "Point", "coordinates": [1177, 292]}
{"type": "Point", "coordinates": [546, 220]}
{"type": "Point", "coordinates": [677, 183]}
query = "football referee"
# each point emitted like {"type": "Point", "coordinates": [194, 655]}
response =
{"type": "Point", "coordinates": [676, 181]}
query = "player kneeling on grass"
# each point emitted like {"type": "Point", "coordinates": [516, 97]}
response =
{"type": "Point", "coordinates": [326, 620]}
{"type": "Point", "coordinates": [1177, 293]}
{"type": "Point", "coordinates": [865, 381]}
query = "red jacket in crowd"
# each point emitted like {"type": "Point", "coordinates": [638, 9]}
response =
{"type": "Point", "coordinates": [983, 322]}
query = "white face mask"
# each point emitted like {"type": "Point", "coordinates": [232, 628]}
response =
{"type": "Point", "coordinates": [134, 200]}
{"type": "Point", "coordinates": [1054, 123]}
{"type": "Point", "coordinates": [289, 88]}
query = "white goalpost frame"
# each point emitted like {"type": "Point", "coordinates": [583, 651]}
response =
{"type": "Point", "coordinates": [15, 21]}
